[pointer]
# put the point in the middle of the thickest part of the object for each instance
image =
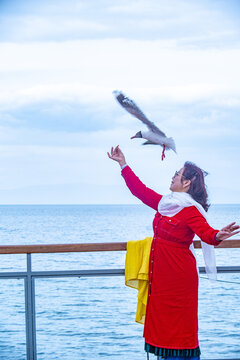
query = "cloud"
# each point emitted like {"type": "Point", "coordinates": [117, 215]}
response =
{"type": "Point", "coordinates": [76, 108]}
{"type": "Point", "coordinates": [212, 24]}
{"type": "Point", "coordinates": [65, 108]}
{"type": "Point", "coordinates": [124, 64]}
{"type": "Point", "coordinates": [35, 27]}
{"type": "Point", "coordinates": [59, 86]}
{"type": "Point", "coordinates": [71, 109]}
{"type": "Point", "coordinates": [57, 116]}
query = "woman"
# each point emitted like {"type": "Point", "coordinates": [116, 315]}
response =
{"type": "Point", "coordinates": [171, 323]}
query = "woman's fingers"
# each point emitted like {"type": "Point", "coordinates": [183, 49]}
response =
{"type": "Point", "coordinates": [116, 150]}
{"type": "Point", "coordinates": [235, 227]}
{"type": "Point", "coordinates": [230, 227]}
{"type": "Point", "coordinates": [229, 231]}
{"type": "Point", "coordinates": [224, 234]}
{"type": "Point", "coordinates": [116, 154]}
{"type": "Point", "coordinates": [113, 153]}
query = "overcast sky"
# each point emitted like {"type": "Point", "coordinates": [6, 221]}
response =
{"type": "Point", "coordinates": [61, 60]}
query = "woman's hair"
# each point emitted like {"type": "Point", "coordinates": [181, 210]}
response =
{"type": "Point", "coordinates": [197, 187]}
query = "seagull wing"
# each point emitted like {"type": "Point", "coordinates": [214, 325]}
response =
{"type": "Point", "coordinates": [133, 109]}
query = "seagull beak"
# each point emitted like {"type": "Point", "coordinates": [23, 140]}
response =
{"type": "Point", "coordinates": [133, 137]}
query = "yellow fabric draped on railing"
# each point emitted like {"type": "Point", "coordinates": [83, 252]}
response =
{"type": "Point", "coordinates": [136, 273]}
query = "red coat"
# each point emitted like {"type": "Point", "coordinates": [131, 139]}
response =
{"type": "Point", "coordinates": [171, 319]}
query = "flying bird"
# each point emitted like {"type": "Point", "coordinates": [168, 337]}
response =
{"type": "Point", "coordinates": [154, 135]}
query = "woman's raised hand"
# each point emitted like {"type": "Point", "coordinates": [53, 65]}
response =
{"type": "Point", "coordinates": [227, 231]}
{"type": "Point", "coordinates": [117, 155]}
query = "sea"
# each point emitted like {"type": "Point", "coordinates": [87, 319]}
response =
{"type": "Point", "coordinates": [94, 318]}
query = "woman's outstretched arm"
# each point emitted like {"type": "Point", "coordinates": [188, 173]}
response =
{"type": "Point", "coordinates": [200, 226]}
{"type": "Point", "coordinates": [137, 188]}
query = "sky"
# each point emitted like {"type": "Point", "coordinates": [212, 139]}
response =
{"type": "Point", "coordinates": [61, 60]}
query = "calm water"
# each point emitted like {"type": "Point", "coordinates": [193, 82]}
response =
{"type": "Point", "coordinates": [93, 318]}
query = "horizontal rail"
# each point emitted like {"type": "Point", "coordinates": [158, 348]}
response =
{"type": "Point", "coordinates": [61, 248]}
{"type": "Point", "coordinates": [95, 272]}
{"type": "Point", "coordinates": [90, 247]}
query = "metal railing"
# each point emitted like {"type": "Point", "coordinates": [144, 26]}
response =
{"type": "Point", "coordinates": [29, 276]}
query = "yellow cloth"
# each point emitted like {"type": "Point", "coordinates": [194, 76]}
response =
{"type": "Point", "coordinates": [136, 272]}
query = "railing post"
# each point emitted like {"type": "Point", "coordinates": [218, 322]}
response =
{"type": "Point", "coordinates": [30, 314]}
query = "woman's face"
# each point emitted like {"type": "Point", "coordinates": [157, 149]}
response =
{"type": "Point", "coordinates": [177, 185]}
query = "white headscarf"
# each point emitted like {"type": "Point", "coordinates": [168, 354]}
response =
{"type": "Point", "coordinates": [170, 205]}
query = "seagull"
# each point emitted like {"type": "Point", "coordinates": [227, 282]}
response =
{"type": "Point", "coordinates": [154, 135]}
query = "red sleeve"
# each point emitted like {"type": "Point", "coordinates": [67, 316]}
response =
{"type": "Point", "coordinates": [138, 189]}
{"type": "Point", "coordinates": [198, 224]}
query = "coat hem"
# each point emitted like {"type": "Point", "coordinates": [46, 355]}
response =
{"type": "Point", "coordinates": [159, 351]}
